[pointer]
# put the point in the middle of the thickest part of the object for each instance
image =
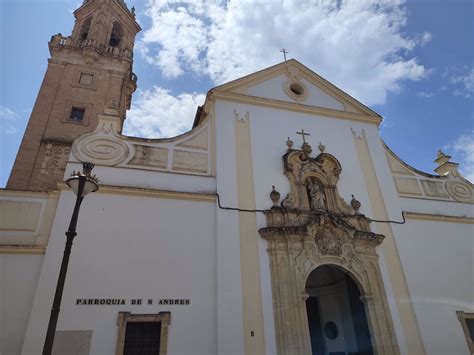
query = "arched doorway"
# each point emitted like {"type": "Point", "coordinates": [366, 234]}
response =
{"type": "Point", "coordinates": [336, 316]}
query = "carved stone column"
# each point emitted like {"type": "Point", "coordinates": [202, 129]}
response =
{"type": "Point", "coordinates": [288, 299]}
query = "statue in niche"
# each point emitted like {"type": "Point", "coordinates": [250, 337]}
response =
{"type": "Point", "coordinates": [316, 196]}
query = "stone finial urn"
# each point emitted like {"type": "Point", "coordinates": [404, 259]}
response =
{"type": "Point", "coordinates": [275, 196]}
{"type": "Point", "coordinates": [289, 144]}
{"type": "Point", "coordinates": [321, 147]}
{"type": "Point", "coordinates": [355, 205]}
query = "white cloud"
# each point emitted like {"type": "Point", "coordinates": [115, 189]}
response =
{"type": "Point", "coordinates": [7, 114]}
{"type": "Point", "coordinates": [7, 120]}
{"type": "Point", "coordinates": [424, 38]}
{"type": "Point", "coordinates": [358, 45]}
{"type": "Point", "coordinates": [459, 80]}
{"type": "Point", "coordinates": [465, 84]}
{"type": "Point", "coordinates": [464, 146]}
{"type": "Point", "coordinates": [426, 95]}
{"type": "Point", "coordinates": [156, 113]}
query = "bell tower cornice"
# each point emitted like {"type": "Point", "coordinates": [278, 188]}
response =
{"type": "Point", "coordinates": [89, 6]}
{"type": "Point", "coordinates": [103, 28]}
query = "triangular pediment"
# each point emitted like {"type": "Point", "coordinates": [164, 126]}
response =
{"type": "Point", "coordinates": [294, 83]}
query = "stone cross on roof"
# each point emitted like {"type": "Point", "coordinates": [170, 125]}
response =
{"type": "Point", "coordinates": [303, 133]}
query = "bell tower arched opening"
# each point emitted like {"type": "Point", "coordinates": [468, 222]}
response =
{"type": "Point", "coordinates": [337, 320]}
{"type": "Point", "coordinates": [85, 28]}
{"type": "Point", "coordinates": [116, 35]}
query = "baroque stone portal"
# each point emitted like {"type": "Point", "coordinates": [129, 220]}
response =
{"type": "Point", "coordinates": [312, 227]}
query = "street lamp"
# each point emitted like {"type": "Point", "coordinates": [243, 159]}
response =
{"type": "Point", "coordinates": [81, 183]}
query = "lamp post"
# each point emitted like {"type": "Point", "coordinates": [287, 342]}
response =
{"type": "Point", "coordinates": [81, 184]}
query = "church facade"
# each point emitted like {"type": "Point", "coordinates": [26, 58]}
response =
{"type": "Point", "coordinates": [280, 224]}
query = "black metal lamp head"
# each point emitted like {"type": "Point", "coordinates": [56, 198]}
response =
{"type": "Point", "coordinates": [91, 182]}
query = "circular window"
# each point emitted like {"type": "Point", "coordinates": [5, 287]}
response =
{"type": "Point", "coordinates": [330, 330]}
{"type": "Point", "coordinates": [297, 89]}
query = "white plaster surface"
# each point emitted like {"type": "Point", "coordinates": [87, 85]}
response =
{"type": "Point", "coordinates": [447, 208]}
{"type": "Point", "coordinates": [437, 260]}
{"type": "Point", "coordinates": [273, 89]}
{"type": "Point", "coordinates": [132, 247]}
{"type": "Point", "coordinates": [269, 131]}
{"type": "Point", "coordinates": [146, 179]}
{"type": "Point", "coordinates": [22, 236]}
{"type": "Point", "coordinates": [438, 263]}
{"type": "Point", "coordinates": [18, 279]}
{"type": "Point", "coordinates": [229, 286]}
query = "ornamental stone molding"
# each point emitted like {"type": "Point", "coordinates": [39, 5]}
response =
{"type": "Point", "coordinates": [188, 153]}
{"type": "Point", "coordinates": [459, 188]}
{"type": "Point", "coordinates": [103, 146]}
{"type": "Point", "coordinates": [449, 184]}
{"type": "Point", "coordinates": [164, 318]}
{"type": "Point", "coordinates": [314, 226]}
{"type": "Point", "coordinates": [460, 191]}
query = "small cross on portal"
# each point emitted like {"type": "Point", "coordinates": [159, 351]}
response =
{"type": "Point", "coordinates": [284, 53]}
{"type": "Point", "coordinates": [303, 133]}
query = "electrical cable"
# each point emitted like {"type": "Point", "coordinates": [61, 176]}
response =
{"type": "Point", "coordinates": [303, 211]}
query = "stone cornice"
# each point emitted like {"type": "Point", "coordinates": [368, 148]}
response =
{"type": "Point", "coordinates": [438, 217]}
{"type": "Point", "coordinates": [288, 68]}
{"type": "Point", "coordinates": [290, 106]}
{"type": "Point", "coordinates": [131, 191]}
{"type": "Point", "coordinates": [22, 249]}
{"type": "Point", "coordinates": [25, 193]}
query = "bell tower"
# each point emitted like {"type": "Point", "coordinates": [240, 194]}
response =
{"type": "Point", "coordinates": [89, 73]}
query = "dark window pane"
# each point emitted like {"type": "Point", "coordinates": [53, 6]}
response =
{"type": "Point", "coordinates": [77, 114]}
{"type": "Point", "coordinates": [142, 338]}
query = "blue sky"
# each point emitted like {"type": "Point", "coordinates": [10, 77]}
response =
{"type": "Point", "coordinates": [412, 62]}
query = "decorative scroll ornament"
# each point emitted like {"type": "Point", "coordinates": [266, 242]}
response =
{"type": "Point", "coordinates": [103, 146]}
{"type": "Point", "coordinates": [460, 191]}
{"type": "Point", "coordinates": [456, 186]}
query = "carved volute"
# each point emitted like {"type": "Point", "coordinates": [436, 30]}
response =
{"type": "Point", "coordinates": [314, 226]}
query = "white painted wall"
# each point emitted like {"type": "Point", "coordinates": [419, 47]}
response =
{"type": "Point", "coordinates": [439, 266]}
{"type": "Point", "coordinates": [229, 285]}
{"type": "Point", "coordinates": [132, 247]}
{"type": "Point", "coordinates": [269, 131]}
{"type": "Point", "coordinates": [146, 179]}
{"type": "Point", "coordinates": [273, 89]}
{"type": "Point", "coordinates": [18, 279]}
{"type": "Point", "coordinates": [437, 259]}
{"type": "Point", "coordinates": [448, 208]}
